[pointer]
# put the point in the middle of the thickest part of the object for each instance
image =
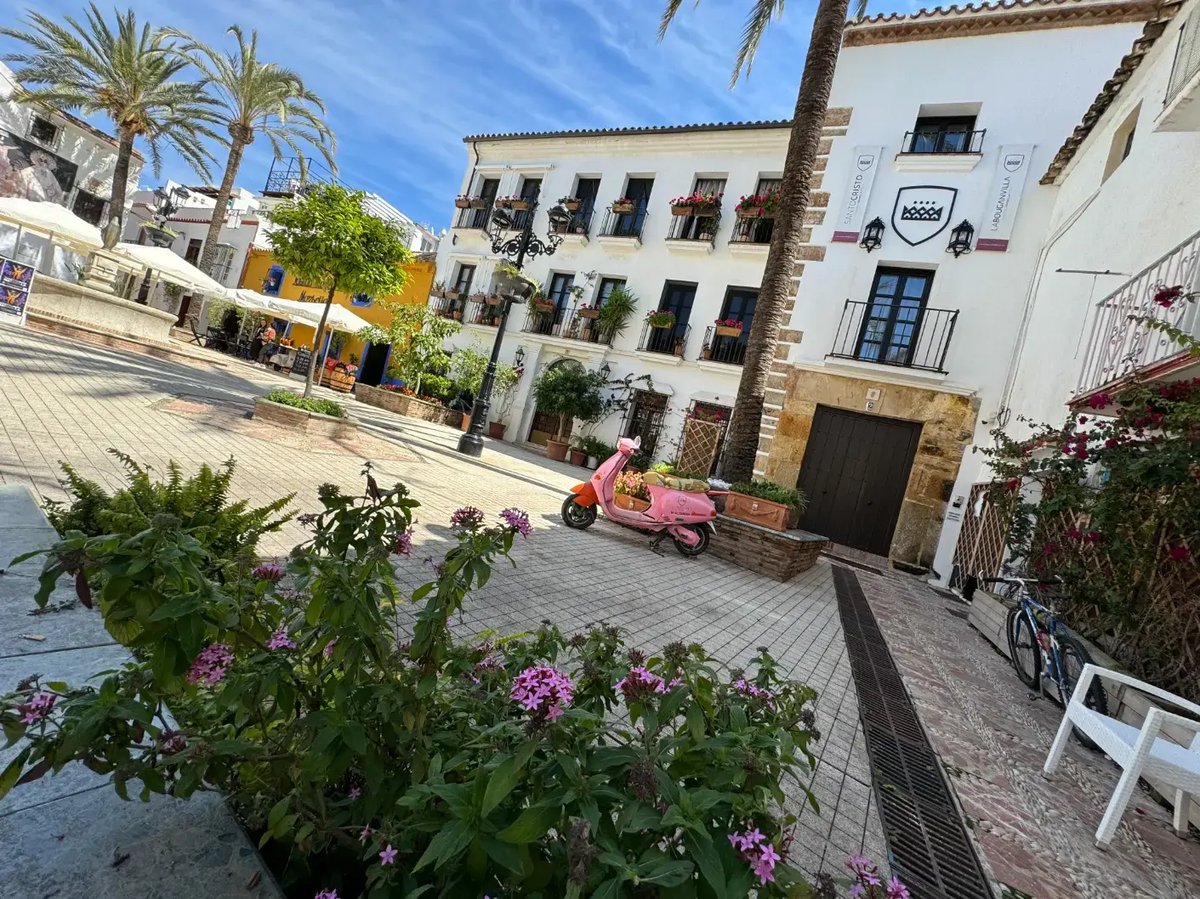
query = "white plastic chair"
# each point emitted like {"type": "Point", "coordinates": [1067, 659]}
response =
{"type": "Point", "coordinates": [1141, 753]}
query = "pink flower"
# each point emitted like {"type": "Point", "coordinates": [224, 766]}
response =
{"type": "Point", "coordinates": [544, 691]}
{"type": "Point", "coordinates": [209, 667]}
{"type": "Point", "coordinates": [897, 890]}
{"type": "Point", "coordinates": [280, 640]}
{"type": "Point", "coordinates": [859, 864]}
{"type": "Point", "coordinates": [1179, 554]}
{"type": "Point", "coordinates": [518, 520]}
{"type": "Point", "coordinates": [765, 863]}
{"type": "Point", "coordinates": [403, 543]}
{"type": "Point", "coordinates": [1100, 400]}
{"type": "Point", "coordinates": [355, 792]}
{"type": "Point", "coordinates": [328, 650]}
{"type": "Point", "coordinates": [388, 855]}
{"type": "Point", "coordinates": [1092, 536]}
{"type": "Point", "coordinates": [1012, 485]}
{"type": "Point", "coordinates": [641, 682]}
{"type": "Point", "coordinates": [467, 517]}
{"type": "Point", "coordinates": [268, 572]}
{"type": "Point", "coordinates": [38, 708]}
{"type": "Point", "coordinates": [365, 834]}
{"type": "Point", "coordinates": [755, 692]}
{"type": "Point", "coordinates": [326, 894]}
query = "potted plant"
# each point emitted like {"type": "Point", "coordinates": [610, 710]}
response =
{"type": "Point", "coordinates": [571, 204]}
{"type": "Point", "coordinates": [660, 318]}
{"type": "Point", "coordinates": [762, 205]}
{"type": "Point", "coordinates": [542, 306]}
{"type": "Point", "coordinates": [630, 492]}
{"type": "Point", "coordinates": [623, 206]}
{"type": "Point", "coordinates": [679, 347]}
{"type": "Point", "coordinates": [706, 352]}
{"type": "Point", "coordinates": [591, 312]}
{"type": "Point", "coordinates": [615, 312]}
{"type": "Point", "coordinates": [568, 391]}
{"type": "Point", "coordinates": [493, 299]}
{"type": "Point", "coordinates": [698, 204]}
{"type": "Point", "coordinates": [578, 452]}
{"type": "Point", "coordinates": [597, 451]}
{"type": "Point", "coordinates": [462, 201]}
{"type": "Point", "coordinates": [728, 327]}
{"type": "Point", "coordinates": [681, 206]}
{"type": "Point", "coordinates": [479, 203]}
{"type": "Point", "coordinates": [765, 503]}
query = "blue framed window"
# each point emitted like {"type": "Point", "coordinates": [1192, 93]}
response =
{"type": "Point", "coordinates": [361, 299]}
{"type": "Point", "coordinates": [274, 281]}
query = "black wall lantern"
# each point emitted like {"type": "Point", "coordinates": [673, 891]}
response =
{"type": "Point", "coordinates": [872, 235]}
{"type": "Point", "coordinates": [960, 239]}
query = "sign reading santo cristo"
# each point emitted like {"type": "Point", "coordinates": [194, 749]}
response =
{"type": "Point", "coordinates": [848, 225]}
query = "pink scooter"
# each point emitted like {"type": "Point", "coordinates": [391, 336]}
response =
{"type": "Point", "coordinates": [685, 515]}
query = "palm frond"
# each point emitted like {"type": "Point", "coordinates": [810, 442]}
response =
{"type": "Point", "coordinates": [757, 21]}
{"type": "Point", "coordinates": [860, 9]}
{"type": "Point", "coordinates": [668, 16]}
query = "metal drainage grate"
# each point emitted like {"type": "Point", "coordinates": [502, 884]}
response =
{"type": "Point", "coordinates": [928, 842]}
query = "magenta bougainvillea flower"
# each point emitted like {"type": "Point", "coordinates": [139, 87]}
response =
{"type": "Point", "coordinates": [210, 666]}
{"type": "Point", "coordinates": [518, 520]}
{"type": "Point", "coordinates": [1166, 296]}
{"type": "Point", "coordinates": [543, 690]}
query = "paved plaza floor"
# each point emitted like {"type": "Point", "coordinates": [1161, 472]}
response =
{"type": "Point", "coordinates": [64, 401]}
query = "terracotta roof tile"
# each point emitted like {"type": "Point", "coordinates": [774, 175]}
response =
{"type": "Point", "coordinates": [636, 130]}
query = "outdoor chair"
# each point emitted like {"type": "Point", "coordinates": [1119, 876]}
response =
{"type": "Point", "coordinates": [197, 337]}
{"type": "Point", "coordinates": [1140, 753]}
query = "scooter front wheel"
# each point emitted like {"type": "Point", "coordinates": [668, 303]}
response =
{"type": "Point", "coordinates": [691, 551]}
{"type": "Point", "coordinates": [577, 516]}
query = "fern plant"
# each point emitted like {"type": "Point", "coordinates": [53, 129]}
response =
{"type": "Point", "coordinates": [225, 530]}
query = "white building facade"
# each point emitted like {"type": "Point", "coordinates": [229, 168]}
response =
{"type": "Point", "coordinates": [701, 268]}
{"type": "Point", "coordinates": [48, 155]}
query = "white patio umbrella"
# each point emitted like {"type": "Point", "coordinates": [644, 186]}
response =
{"type": "Point", "coordinates": [51, 219]}
{"type": "Point", "coordinates": [166, 265]}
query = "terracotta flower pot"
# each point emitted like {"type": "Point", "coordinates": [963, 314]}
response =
{"type": "Point", "coordinates": [589, 313]}
{"type": "Point", "coordinates": [750, 212]}
{"type": "Point", "coordinates": [496, 430]}
{"type": "Point", "coordinates": [578, 457]}
{"type": "Point", "coordinates": [464, 203]}
{"type": "Point", "coordinates": [556, 450]}
{"type": "Point", "coordinates": [466, 422]}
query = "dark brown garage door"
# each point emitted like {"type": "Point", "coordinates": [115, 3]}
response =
{"type": "Point", "coordinates": [854, 473]}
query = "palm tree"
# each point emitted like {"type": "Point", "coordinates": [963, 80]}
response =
{"type": "Point", "coordinates": [256, 97]}
{"type": "Point", "coordinates": [770, 314]}
{"type": "Point", "coordinates": [129, 76]}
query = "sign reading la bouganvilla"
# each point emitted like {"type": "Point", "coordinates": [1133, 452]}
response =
{"type": "Point", "coordinates": [848, 224]}
{"type": "Point", "coordinates": [16, 280]}
{"type": "Point", "coordinates": [1004, 196]}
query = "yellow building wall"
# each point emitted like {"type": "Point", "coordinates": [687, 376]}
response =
{"type": "Point", "coordinates": [416, 293]}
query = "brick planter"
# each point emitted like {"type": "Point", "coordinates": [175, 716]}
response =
{"type": "Point", "coordinates": [394, 401]}
{"type": "Point", "coordinates": [778, 554]}
{"type": "Point", "coordinates": [305, 422]}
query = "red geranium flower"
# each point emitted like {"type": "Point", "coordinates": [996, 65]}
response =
{"type": "Point", "coordinates": [1012, 484]}
{"type": "Point", "coordinates": [1165, 296]}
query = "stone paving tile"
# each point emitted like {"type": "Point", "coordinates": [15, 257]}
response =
{"type": "Point", "coordinates": [65, 401]}
{"type": "Point", "coordinates": [993, 735]}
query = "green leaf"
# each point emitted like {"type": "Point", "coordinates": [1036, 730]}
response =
{"type": "Point", "coordinates": [504, 854]}
{"type": "Point", "coordinates": [695, 722]}
{"type": "Point", "coordinates": [13, 771]}
{"type": "Point", "coordinates": [448, 843]}
{"type": "Point", "coordinates": [530, 825]}
{"type": "Point", "coordinates": [506, 776]}
{"type": "Point", "coordinates": [701, 848]}
{"type": "Point", "coordinates": [355, 737]}
{"type": "Point", "coordinates": [665, 872]}
{"type": "Point", "coordinates": [275, 815]}
{"type": "Point", "coordinates": [636, 816]}
{"type": "Point", "coordinates": [610, 889]}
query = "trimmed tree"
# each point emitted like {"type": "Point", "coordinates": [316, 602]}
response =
{"type": "Point", "coordinates": [417, 335]}
{"type": "Point", "coordinates": [741, 441]}
{"type": "Point", "coordinates": [328, 238]}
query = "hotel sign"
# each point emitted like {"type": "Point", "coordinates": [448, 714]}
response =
{"type": "Point", "coordinates": [1004, 196]}
{"type": "Point", "coordinates": [848, 224]}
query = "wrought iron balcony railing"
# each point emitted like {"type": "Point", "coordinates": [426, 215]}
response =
{"type": "Point", "coordinates": [287, 178]}
{"type": "Point", "coordinates": [1120, 343]}
{"type": "Point", "coordinates": [473, 219]}
{"type": "Point", "coordinates": [479, 311]}
{"type": "Point", "coordinates": [949, 141]}
{"type": "Point", "coordinates": [1187, 56]}
{"type": "Point", "coordinates": [905, 336]}
{"type": "Point", "coordinates": [568, 322]}
{"type": "Point", "coordinates": [699, 228]}
{"type": "Point", "coordinates": [670, 341]}
{"type": "Point", "coordinates": [451, 305]}
{"type": "Point", "coordinates": [580, 224]}
{"type": "Point", "coordinates": [729, 348]}
{"type": "Point", "coordinates": [753, 231]}
{"type": "Point", "coordinates": [624, 224]}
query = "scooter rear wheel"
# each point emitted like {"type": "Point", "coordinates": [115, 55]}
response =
{"type": "Point", "coordinates": [692, 551]}
{"type": "Point", "coordinates": [577, 516]}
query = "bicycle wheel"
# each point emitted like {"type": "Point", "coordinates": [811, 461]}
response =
{"type": "Point", "coordinates": [1074, 656]}
{"type": "Point", "coordinates": [1023, 648]}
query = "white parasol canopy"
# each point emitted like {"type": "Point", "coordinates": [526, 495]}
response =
{"type": "Point", "coordinates": [52, 219]}
{"type": "Point", "coordinates": [342, 319]}
{"type": "Point", "coordinates": [248, 299]}
{"type": "Point", "coordinates": [170, 267]}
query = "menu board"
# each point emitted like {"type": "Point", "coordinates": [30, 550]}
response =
{"type": "Point", "coordinates": [16, 279]}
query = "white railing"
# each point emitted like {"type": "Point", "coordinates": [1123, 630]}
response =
{"type": "Point", "coordinates": [1120, 344]}
{"type": "Point", "coordinates": [1187, 56]}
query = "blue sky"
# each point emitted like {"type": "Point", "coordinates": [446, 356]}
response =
{"type": "Point", "coordinates": [405, 80]}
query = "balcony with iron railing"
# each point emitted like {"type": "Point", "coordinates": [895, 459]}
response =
{"type": "Point", "coordinates": [752, 232]}
{"type": "Point", "coordinates": [666, 341]}
{"type": "Point", "coordinates": [572, 322]}
{"type": "Point", "coordinates": [580, 224]}
{"type": "Point", "coordinates": [914, 337]}
{"type": "Point", "coordinates": [723, 343]}
{"type": "Point", "coordinates": [949, 142]}
{"type": "Point", "coordinates": [691, 233]}
{"type": "Point", "coordinates": [474, 218]}
{"type": "Point", "coordinates": [1121, 345]}
{"type": "Point", "coordinates": [449, 304]}
{"type": "Point", "coordinates": [624, 225]}
{"type": "Point", "coordinates": [483, 310]}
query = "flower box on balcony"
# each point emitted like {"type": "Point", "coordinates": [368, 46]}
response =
{"type": "Point", "coordinates": [542, 307]}
{"type": "Point", "coordinates": [728, 330]}
{"type": "Point", "coordinates": [681, 209]}
{"type": "Point", "coordinates": [661, 319]}
{"type": "Point", "coordinates": [451, 294]}
{"type": "Point", "coordinates": [463, 202]}
{"type": "Point", "coordinates": [493, 299]}
{"type": "Point", "coordinates": [519, 205]}
{"type": "Point", "coordinates": [622, 207]}
{"type": "Point", "coordinates": [571, 204]}
{"type": "Point", "coordinates": [503, 202]}
{"type": "Point", "coordinates": [705, 212]}
{"type": "Point", "coordinates": [588, 312]}
{"type": "Point", "coordinates": [478, 203]}
{"type": "Point", "coordinates": [750, 212]}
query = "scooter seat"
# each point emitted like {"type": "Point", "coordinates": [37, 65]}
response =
{"type": "Point", "coordinates": [687, 485]}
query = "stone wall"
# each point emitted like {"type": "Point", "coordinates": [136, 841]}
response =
{"type": "Point", "coordinates": [55, 300]}
{"type": "Point", "coordinates": [306, 422]}
{"type": "Point", "coordinates": [778, 554]}
{"type": "Point", "coordinates": [401, 404]}
{"type": "Point", "coordinates": [948, 423]}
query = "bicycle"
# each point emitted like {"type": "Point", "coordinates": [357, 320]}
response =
{"type": "Point", "coordinates": [1042, 650]}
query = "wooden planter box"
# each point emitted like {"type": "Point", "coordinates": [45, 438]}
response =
{"type": "Point", "coordinates": [589, 313]}
{"type": "Point", "coordinates": [681, 210]}
{"type": "Point", "coordinates": [726, 331]}
{"type": "Point", "coordinates": [622, 208]}
{"type": "Point", "coordinates": [463, 204]}
{"type": "Point", "coordinates": [301, 420]}
{"type": "Point", "coordinates": [503, 204]}
{"type": "Point", "coordinates": [705, 212]}
{"type": "Point", "coordinates": [750, 212]}
{"type": "Point", "coordinates": [493, 300]}
{"type": "Point", "coordinates": [543, 308]}
{"type": "Point", "coordinates": [663, 326]}
{"type": "Point", "coordinates": [762, 512]}
{"type": "Point", "coordinates": [777, 555]}
{"type": "Point", "coordinates": [411, 406]}
{"type": "Point", "coordinates": [337, 380]}
{"type": "Point", "coordinates": [630, 503]}
{"type": "Point", "coordinates": [519, 205]}
{"type": "Point", "coordinates": [571, 205]}
{"type": "Point", "coordinates": [478, 203]}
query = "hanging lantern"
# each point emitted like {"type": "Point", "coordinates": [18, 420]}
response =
{"type": "Point", "coordinates": [872, 235]}
{"type": "Point", "coordinates": [960, 239]}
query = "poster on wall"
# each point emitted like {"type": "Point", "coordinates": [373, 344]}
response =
{"type": "Point", "coordinates": [16, 280]}
{"type": "Point", "coordinates": [848, 224]}
{"type": "Point", "coordinates": [1004, 196]}
{"type": "Point", "coordinates": [31, 172]}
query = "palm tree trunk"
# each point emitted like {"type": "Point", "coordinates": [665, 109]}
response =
{"type": "Point", "coordinates": [770, 314]}
{"type": "Point", "coordinates": [116, 206]}
{"type": "Point", "coordinates": [312, 362]}
{"type": "Point", "coordinates": [232, 164]}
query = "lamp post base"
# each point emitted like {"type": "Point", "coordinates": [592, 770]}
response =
{"type": "Point", "coordinates": [470, 444]}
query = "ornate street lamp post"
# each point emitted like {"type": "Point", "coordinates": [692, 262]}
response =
{"type": "Point", "coordinates": [519, 247]}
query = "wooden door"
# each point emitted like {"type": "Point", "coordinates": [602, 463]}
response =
{"type": "Point", "coordinates": [854, 474]}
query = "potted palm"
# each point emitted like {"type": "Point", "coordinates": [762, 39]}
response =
{"type": "Point", "coordinates": [615, 312]}
{"type": "Point", "coordinates": [568, 391]}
